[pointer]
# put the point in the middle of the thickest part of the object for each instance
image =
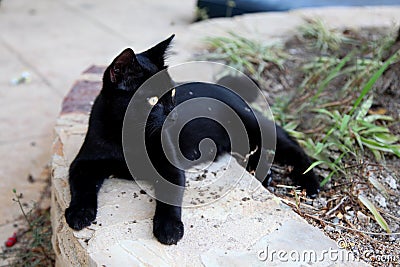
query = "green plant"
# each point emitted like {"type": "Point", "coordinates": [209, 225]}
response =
{"type": "Point", "coordinates": [322, 37]}
{"type": "Point", "coordinates": [230, 5]}
{"type": "Point", "coordinates": [248, 56]}
{"type": "Point", "coordinates": [201, 14]}
{"type": "Point", "coordinates": [346, 130]}
{"type": "Point", "coordinates": [369, 85]}
{"type": "Point", "coordinates": [351, 69]}
{"type": "Point", "coordinates": [34, 245]}
{"type": "Point", "coordinates": [377, 216]}
{"type": "Point", "coordinates": [379, 47]}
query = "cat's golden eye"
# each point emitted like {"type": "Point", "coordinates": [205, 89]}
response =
{"type": "Point", "coordinates": [152, 100]}
{"type": "Point", "coordinates": [173, 92]}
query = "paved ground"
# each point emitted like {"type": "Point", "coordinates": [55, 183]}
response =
{"type": "Point", "coordinates": [55, 41]}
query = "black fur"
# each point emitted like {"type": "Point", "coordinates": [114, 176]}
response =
{"type": "Point", "coordinates": [101, 154]}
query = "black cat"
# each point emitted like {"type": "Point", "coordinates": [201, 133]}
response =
{"type": "Point", "coordinates": [102, 155]}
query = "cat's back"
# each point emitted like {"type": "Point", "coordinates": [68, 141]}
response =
{"type": "Point", "coordinates": [193, 90]}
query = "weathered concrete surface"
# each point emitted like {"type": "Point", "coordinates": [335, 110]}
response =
{"type": "Point", "coordinates": [228, 231]}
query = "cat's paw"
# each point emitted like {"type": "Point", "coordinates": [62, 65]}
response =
{"type": "Point", "coordinates": [312, 187]}
{"type": "Point", "coordinates": [79, 217]}
{"type": "Point", "coordinates": [268, 179]}
{"type": "Point", "coordinates": [168, 231]}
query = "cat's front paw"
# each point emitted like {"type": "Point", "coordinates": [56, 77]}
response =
{"type": "Point", "coordinates": [79, 217]}
{"type": "Point", "coordinates": [312, 186]}
{"type": "Point", "coordinates": [167, 230]}
{"type": "Point", "coordinates": [268, 179]}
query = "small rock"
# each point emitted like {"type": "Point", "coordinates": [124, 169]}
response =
{"type": "Point", "coordinates": [391, 182]}
{"type": "Point", "coordinates": [24, 77]}
{"type": "Point", "coordinates": [31, 179]}
{"type": "Point", "coordinates": [364, 219]}
{"type": "Point", "coordinates": [329, 228]}
{"type": "Point", "coordinates": [323, 201]}
{"type": "Point", "coordinates": [294, 51]}
{"type": "Point", "coordinates": [348, 217]}
{"type": "Point", "coordinates": [381, 200]}
{"type": "Point", "coordinates": [328, 186]}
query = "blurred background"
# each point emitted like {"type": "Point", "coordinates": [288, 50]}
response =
{"type": "Point", "coordinates": [227, 8]}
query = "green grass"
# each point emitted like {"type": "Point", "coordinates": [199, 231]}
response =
{"type": "Point", "coordinates": [351, 130]}
{"type": "Point", "coordinates": [321, 37]}
{"type": "Point", "coordinates": [351, 134]}
{"type": "Point", "coordinates": [248, 56]}
{"type": "Point", "coordinates": [201, 14]}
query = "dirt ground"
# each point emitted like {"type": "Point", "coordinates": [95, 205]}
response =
{"type": "Point", "coordinates": [338, 211]}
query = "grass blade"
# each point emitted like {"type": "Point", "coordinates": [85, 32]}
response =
{"type": "Point", "coordinates": [332, 75]}
{"type": "Point", "coordinates": [364, 109]}
{"type": "Point", "coordinates": [369, 85]}
{"type": "Point", "coordinates": [375, 117]}
{"type": "Point", "coordinates": [313, 165]}
{"type": "Point", "coordinates": [378, 217]}
{"type": "Point", "coordinates": [344, 123]}
{"type": "Point", "coordinates": [386, 138]}
{"type": "Point", "coordinates": [378, 186]}
{"type": "Point", "coordinates": [327, 178]}
{"type": "Point", "coordinates": [372, 144]}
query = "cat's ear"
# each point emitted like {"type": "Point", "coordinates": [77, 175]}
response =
{"type": "Point", "coordinates": [121, 63]}
{"type": "Point", "coordinates": [157, 53]}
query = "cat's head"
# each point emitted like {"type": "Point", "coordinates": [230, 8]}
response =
{"type": "Point", "coordinates": [128, 71]}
